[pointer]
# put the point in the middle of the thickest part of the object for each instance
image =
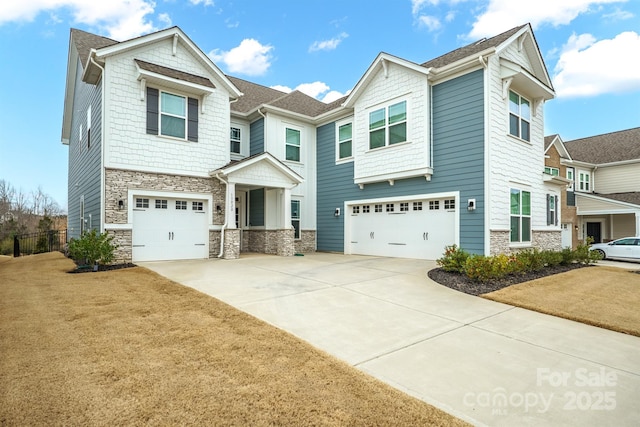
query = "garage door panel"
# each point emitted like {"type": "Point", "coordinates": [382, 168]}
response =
{"type": "Point", "coordinates": [171, 230]}
{"type": "Point", "coordinates": [405, 229]}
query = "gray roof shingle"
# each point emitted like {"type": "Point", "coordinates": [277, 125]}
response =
{"type": "Point", "coordinates": [606, 148]}
{"type": "Point", "coordinates": [631, 197]}
{"type": "Point", "coordinates": [84, 42]}
{"type": "Point", "coordinates": [176, 74]}
{"type": "Point", "coordinates": [254, 96]}
{"type": "Point", "coordinates": [549, 139]}
{"type": "Point", "coordinates": [471, 49]}
{"type": "Point", "coordinates": [300, 103]}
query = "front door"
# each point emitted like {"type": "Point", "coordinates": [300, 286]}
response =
{"type": "Point", "coordinates": [593, 231]}
{"type": "Point", "coordinates": [567, 231]}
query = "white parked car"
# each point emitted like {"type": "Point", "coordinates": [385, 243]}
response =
{"type": "Point", "coordinates": [627, 248]}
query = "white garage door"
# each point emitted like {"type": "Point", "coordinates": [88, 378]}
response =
{"type": "Point", "coordinates": [404, 229]}
{"type": "Point", "coordinates": [168, 229]}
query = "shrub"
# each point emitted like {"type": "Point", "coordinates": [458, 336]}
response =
{"type": "Point", "coordinates": [567, 256]}
{"type": "Point", "coordinates": [552, 258]}
{"type": "Point", "coordinates": [583, 255]}
{"type": "Point", "coordinates": [530, 260]}
{"type": "Point", "coordinates": [453, 260]}
{"type": "Point", "coordinates": [92, 248]}
{"type": "Point", "coordinates": [483, 269]}
{"type": "Point", "coordinates": [6, 246]}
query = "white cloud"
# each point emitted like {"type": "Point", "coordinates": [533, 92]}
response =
{"type": "Point", "coordinates": [165, 19]}
{"type": "Point", "coordinates": [333, 95]}
{"type": "Point", "coordinates": [202, 2]}
{"type": "Point", "coordinates": [588, 67]}
{"type": "Point", "coordinates": [250, 57]}
{"type": "Point", "coordinates": [431, 22]}
{"type": "Point", "coordinates": [281, 88]}
{"type": "Point", "coordinates": [120, 19]}
{"type": "Point", "coordinates": [330, 44]}
{"type": "Point", "coordinates": [417, 5]}
{"type": "Point", "coordinates": [501, 15]}
{"type": "Point", "coordinates": [618, 15]}
{"type": "Point", "coordinates": [451, 15]}
{"type": "Point", "coordinates": [314, 90]}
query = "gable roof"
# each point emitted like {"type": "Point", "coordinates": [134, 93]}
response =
{"type": "Point", "coordinates": [254, 95]}
{"type": "Point", "coordinates": [471, 49]}
{"type": "Point", "coordinates": [176, 74]}
{"type": "Point", "coordinates": [298, 102]}
{"type": "Point", "coordinates": [606, 148]}
{"type": "Point", "coordinates": [84, 42]}
{"type": "Point", "coordinates": [631, 197]}
{"type": "Point", "coordinates": [548, 140]}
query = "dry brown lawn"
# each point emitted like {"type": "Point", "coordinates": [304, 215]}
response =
{"type": "Point", "coordinates": [608, 297]}
{"type": "Point", "coordinates": [129, 347]}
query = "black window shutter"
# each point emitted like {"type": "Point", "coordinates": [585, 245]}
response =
{"type": "Point", "coordinates": [192, 125]}
{"type": "Point", "coordinates": [557, 209]}
{"type": "Point", "coordinates": [548, 211]}
{"type": "Point", "coordinates": [152, 110]}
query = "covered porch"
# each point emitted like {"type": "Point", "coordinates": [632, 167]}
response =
{"type": "Point", "coordinates": [607, 217]}
{"type": "Point", "coordinates": [257, 208]}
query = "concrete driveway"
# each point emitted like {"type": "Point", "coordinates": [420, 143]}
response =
{"type": "Point", "coordinates": [485, 362]}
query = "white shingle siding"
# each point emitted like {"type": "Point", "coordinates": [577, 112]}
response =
{"type": "Point", "coordinates": [128, 146]}
{"type": "Point", "coordinates": [399, 84]}
{"type": "Point", "coordinates": [514, 163]}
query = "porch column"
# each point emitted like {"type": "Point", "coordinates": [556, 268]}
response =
{"type": "Point", "coordinates": [231, 205]}
{"type": "Point", "coordinates": [286, 209]}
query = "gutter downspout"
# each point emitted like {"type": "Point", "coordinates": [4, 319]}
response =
{"type": "Point", "coordinates": [226, 204]}
{"type": "Point", "coordinates": [103, 214]}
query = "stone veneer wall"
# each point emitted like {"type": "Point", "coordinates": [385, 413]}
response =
{"type": "Point", "coordinates": [231, 244]}
{"type": "Point", "coordinates": [122, 240]}
{"type": "Point", "coordinates": [275, 242]}
{"type": "Point", "coordinates": [543, 240]}
{"type": "Point", "coordinates": [306, 243]}
{"type": "Point", "coordinates": [118, 182]}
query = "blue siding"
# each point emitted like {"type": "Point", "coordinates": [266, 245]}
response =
{"type": "Point", "coordinates": [256, 207]}
{"type": "Point", "coordinates": [458, 164]}
{"type": "Point", "coordinates": [256, 137]}
{"type": "Point", "coordinates": [84, 162]}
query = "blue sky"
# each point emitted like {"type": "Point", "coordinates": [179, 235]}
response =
{"type": "Point", "coordinates": [591, 49]}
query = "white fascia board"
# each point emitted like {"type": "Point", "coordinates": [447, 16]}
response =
{"type": "Point", "coordinates": [290, 174]}
{"type": "Point", "coordinates": [557, 180]}
{"type": "Point", "coordinates": [182, 84]}
{"type": "Point", "coordinates": [379, 62]}
{"type": "Point", "coordinates": [69, 93]}
{"type": "Point", "coordinates": [168, 33]}
{"type": "Point", "coordinates": [425, 172]}
{"type": "Point", "coordinates": [620, 163]}
{"type": "Point", "coordinates": [470, 61]}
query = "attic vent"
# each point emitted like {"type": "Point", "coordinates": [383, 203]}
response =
{"type": "Point", "coordinates": [481, 41]}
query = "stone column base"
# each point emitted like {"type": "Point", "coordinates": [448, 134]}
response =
{"type": "Point", "coordinates": [231, 244]}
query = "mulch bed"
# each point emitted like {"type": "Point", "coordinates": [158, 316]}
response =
{"type": "Point", "coordinates": [89, 268]}
{"type": "Point", "coordinates": [462, 283]}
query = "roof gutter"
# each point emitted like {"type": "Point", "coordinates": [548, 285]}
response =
{"type": "Point", "coordinates": [102, 141]}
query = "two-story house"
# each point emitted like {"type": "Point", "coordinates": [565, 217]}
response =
{"type": "Point", "coordinates": [178, 160]}
{"type": "Point", "coordinates": [603, 194]}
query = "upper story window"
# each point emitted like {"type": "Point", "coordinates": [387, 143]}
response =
{"type": "Point", "coordinates": [345, 138]}
{"type": "Point", "coordinates": [388, 125]}
{"type": "Point", "coordinates": [292, 144]}
{"type": "Point", "coordinates": [236, 139]}
{"type": "Point", "coordinates": [172, 115]}
{"type": "Point", "coordinates": [519, 116]}
{"type": "Point", "coordinates": [571, 176]}
{"type": "Point", "coordinates": [584, 181]}
{"type": "Point", "coordinates": [89, 127]}
{"type": "Point", "coordinates": [520, 214]}
{"type": "Point", "coordinates": [551, 171]}
{"type": "Point", "coordinates": [552, 209]}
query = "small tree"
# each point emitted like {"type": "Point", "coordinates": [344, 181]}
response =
{"type": "Point", "coordinates": [92, 248]}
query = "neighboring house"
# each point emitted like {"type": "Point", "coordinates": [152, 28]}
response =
{"type": "Point", "coordinates": [178, 160]}
{"type": "Point", "coordinates": [603, 194]}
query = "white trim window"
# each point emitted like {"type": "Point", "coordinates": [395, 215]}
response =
{"type": "Point", "coordinates": [519, 116]}
{"type": "Point", "coordinates": [520, 216]}
{"type": "Point", "coordinates": [235, 138]}
{"type": "Point", "coordinates": [584, 181]}
{"type": "Point", "coordinates": [292, 144]}
{"type": "Point", "coordinates": [552, 209]}
{"type": "Point", "coordinates": [295, 218]}
{"type": "Point", "coordinates": [551, 171]}
{"type": "Point", "coordinates": [344, 140]}
{"type": "Point", "coordinates": [173, 115]}
{"type": "Point", "coordinates": [388, 125]}
{"type": "Point", "coordinates": [571, 176]}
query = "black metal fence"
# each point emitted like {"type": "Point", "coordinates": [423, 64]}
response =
{"type": "Point", "coordinates": [40, 242]}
